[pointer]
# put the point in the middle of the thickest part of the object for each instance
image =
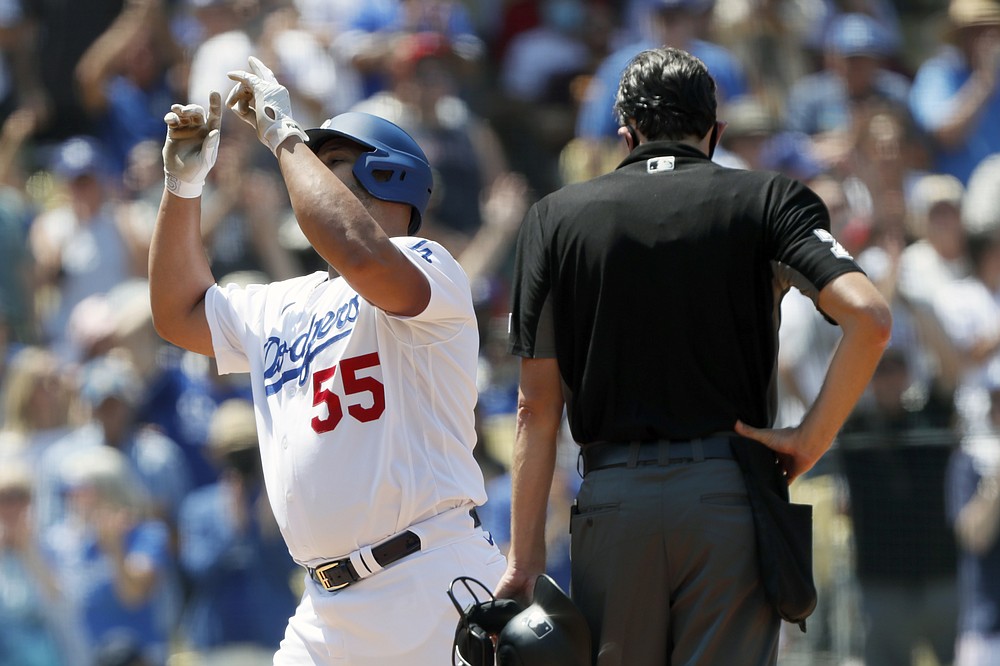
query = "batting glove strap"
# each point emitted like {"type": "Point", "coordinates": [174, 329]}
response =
{"type": "Point", "coordinates": [181, 188]}
{"type": "Point", "coordinates": [263, 103]}
{"type": "Point", "coordinates": [186, 164]}
{"type": "Point", "coordinates": [277, 132]}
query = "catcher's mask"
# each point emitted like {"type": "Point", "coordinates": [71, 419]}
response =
{"type": "Point", "coordinates": [393, 169]}
{"type": "Point", "coordinates": [550, 632]}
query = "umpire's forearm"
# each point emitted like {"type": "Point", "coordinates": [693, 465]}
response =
{"type": "Point", "coordinates": [179, 275]}
{"type": "Point", "coordinates": [539, 414]}
{"type": "Point", "coordinates": [864, 316]}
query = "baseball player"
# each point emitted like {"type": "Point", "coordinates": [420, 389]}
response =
{"type": "Point", "coordinates": [363, 377]}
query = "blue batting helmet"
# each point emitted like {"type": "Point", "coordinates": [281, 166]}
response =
{"type": "Point", "coordinates": [392, 151]}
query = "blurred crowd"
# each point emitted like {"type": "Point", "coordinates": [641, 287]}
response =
{"type": "Point", "coordinates": [133, 526]}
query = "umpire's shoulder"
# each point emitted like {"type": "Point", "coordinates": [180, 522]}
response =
{"type": "Point", "coordinates": [571, 196]}
{"type": "Point", "coordinates": [770, 184]}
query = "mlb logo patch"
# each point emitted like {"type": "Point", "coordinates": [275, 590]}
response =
{"type": "Point", "coordinates": [659, 164]}
{"type": "Point", "coordinates": [539, 624]}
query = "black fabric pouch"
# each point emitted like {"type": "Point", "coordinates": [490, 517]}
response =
{"type": "Point", "coordinates": [784, 533]}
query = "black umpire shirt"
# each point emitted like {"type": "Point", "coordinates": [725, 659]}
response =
{"type": "Point", "coordinates": [657, 288]}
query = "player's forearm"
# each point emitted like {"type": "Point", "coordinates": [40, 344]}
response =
{"type": "Point", "coordinates": [179, 275]}
{"type": "Point", "coordinates": [343, 232]}
{"type": "Point", "coordinates": [333, 220]}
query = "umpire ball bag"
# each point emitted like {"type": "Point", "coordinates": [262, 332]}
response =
{"type": "Point", "coordinates": [550, 632]}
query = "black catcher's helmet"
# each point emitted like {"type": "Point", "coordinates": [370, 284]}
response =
{"type": "Point", "coordinates": [549, 632]}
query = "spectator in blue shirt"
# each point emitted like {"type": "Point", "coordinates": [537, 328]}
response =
{"type": "Point", "coordinates": [856, 56]}
{"type": "Point", "coordinates": [112, 558]}
{"type": "Point", "coordinates": [955, 96]}
{"type": "Point", "coordinates": [231, 549]}
{"type": "Point", "coordinates": [671, 23]}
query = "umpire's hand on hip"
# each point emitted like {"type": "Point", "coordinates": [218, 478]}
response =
{"type": "Point", "coordinates": [797, 453]}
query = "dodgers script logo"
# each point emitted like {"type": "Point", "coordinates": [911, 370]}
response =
{"type": "Point", "coordinates": [323, 331]}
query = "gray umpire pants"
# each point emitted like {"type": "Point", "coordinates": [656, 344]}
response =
{"type": "Point", "coordinates": [664, 567]}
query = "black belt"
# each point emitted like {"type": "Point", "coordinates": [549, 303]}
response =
{"type": "Point", "coordinates": [602, 455]}
{"type": "Point", "coordinates": [338, 574]}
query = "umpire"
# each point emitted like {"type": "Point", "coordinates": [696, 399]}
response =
{"type": "Point", "coordinates": [647, 299]}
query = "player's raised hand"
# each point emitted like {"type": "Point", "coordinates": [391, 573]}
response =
{"type": "Point", "coordinates": [192, 145]}
{"type": "Point", "coordinates": [264, 103]}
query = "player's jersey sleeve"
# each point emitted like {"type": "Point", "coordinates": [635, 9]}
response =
{"type": "Point", "coordinates": [231, 312]}
{"type": "Point", "coordinates": [451, 297]}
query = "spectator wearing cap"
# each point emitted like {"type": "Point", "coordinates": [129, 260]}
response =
{"type": "Point", "coordinates": [936, 255]}
{"type": "Point", "coordinates": [750, 125]}
{"type": "Point", "coordinates": [112, 558]}
{"type": "Point", "coordinates": [670, 23]}
{"type": "Point", "coordinates": [109, 393]}
{"type": "Point", "coordinates": [955, 97]}
{"type": "Point", "coordinates": [857, 49]}
{"type": "Point", "coordinates": [81, 246]}
{"type": "Point", "coordinates": [231, 549]}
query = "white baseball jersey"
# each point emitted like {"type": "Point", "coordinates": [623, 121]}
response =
{"type": "Point", "coordinates": [365, 419]}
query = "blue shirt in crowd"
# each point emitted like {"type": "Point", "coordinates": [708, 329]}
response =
{"type": "Point", "coordinates": [241, 591]}
{"type": "Point", "coordinates": [597, 119]}
{"type": "Point", "coordinates": [933, 100]}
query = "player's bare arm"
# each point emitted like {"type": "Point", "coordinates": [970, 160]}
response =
{"type": "Point", "coordinates": [179, 272]}
{"type": "Point", "coordinates": [539, 414]}
{"type": "Point", "coordinates": [856, 305]}
{"type": "Point", "coordinates": [352, 236]}
{"type": "Point", "coordinates": [344, 233]}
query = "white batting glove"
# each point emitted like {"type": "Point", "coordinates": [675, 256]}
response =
{"type": "Point", "coordinates": [262, 102]}
{"type": "Point", "coordinates": [191, 147]}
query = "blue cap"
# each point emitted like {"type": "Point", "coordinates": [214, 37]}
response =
{"type": "Point", "coordinates": [858, 35]}
{"type": "Point", "coordinates": [78, 156]}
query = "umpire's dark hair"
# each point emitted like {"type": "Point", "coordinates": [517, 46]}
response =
{"type": "Point", "coordinates": [668, 93]}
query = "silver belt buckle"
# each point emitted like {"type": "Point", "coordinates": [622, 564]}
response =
{"type": "Point", "coordinates": [325, 581]}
